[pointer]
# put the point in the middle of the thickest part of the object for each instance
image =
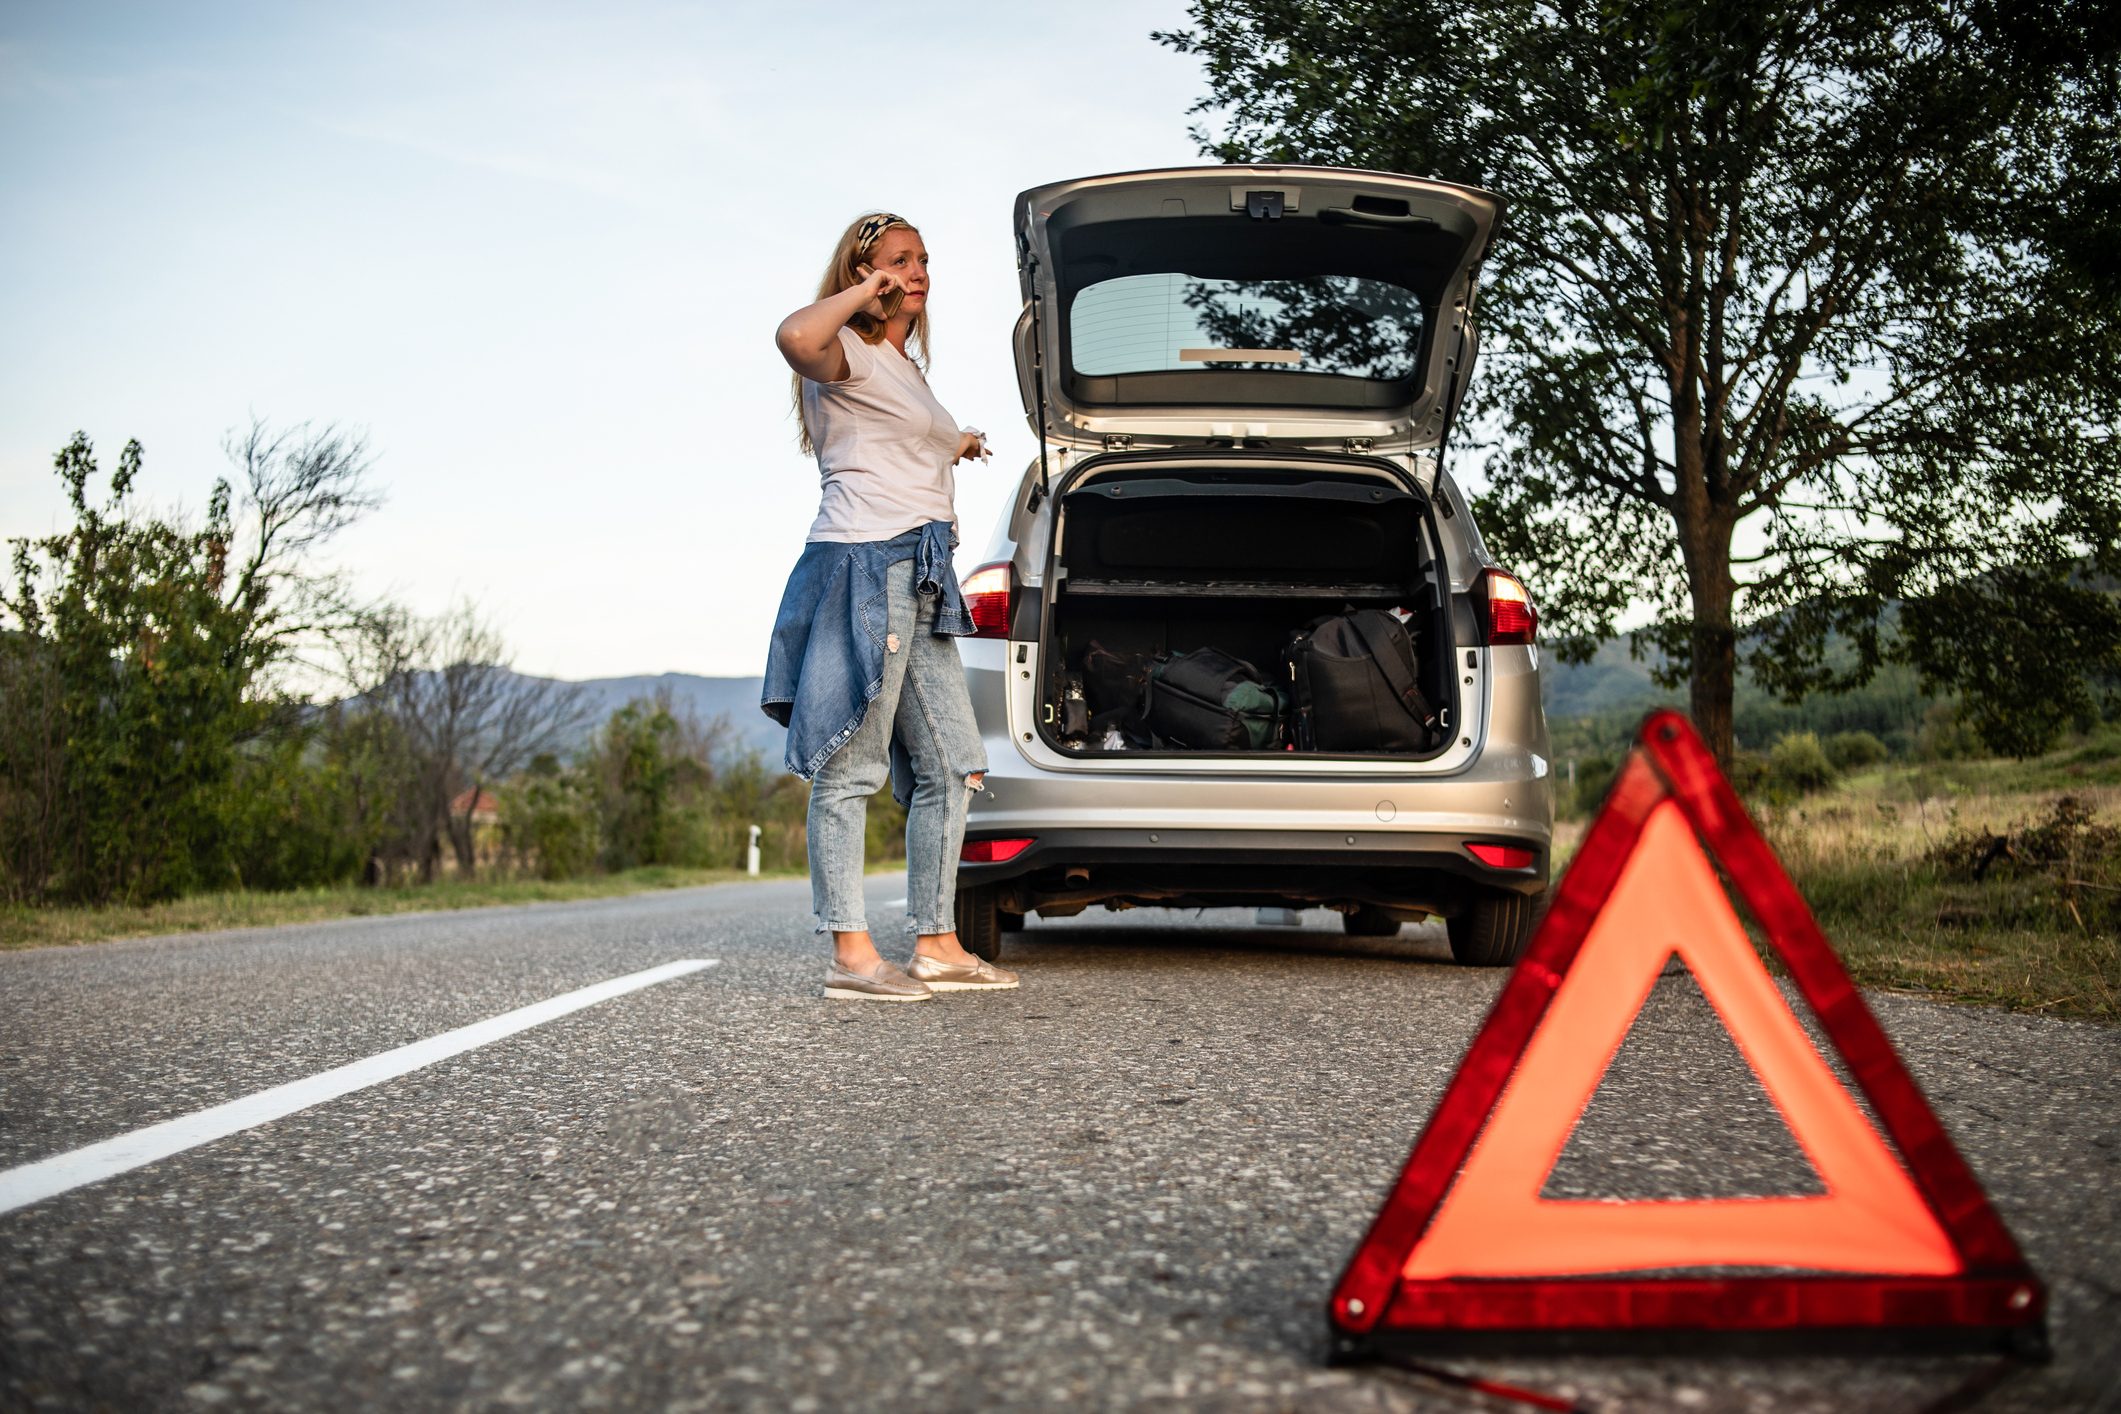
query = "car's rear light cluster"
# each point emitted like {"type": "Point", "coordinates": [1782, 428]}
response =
{"type": "Point", "coordinates": [991, 851]}
{"type": "Point", "coordinates": [1506, 611]}
{"type": "Point", "coordinates": [1502, 856]}
{"type": "Point", "coordinates": [988, 591]}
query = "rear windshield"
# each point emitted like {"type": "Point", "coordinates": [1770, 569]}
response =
{"type": "Point", "coordinates": [1346, 325]}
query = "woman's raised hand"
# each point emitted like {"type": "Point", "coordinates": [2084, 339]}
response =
{"type": "Point", "coordinates": [810, 338]}
{"type": "Point", "coordinates": [880, 285]}
{"type": "Point", "coordinates": [971, 446]}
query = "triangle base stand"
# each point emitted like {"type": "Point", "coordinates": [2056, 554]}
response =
{"type": "Point", "coordinates": [1798, 1315]}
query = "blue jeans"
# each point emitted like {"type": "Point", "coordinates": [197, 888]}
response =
{"type": "Point", "coordinates": [925, 705]}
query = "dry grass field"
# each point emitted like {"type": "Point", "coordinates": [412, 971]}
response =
{"type": "Point", "coordinates": [2006, 898]}
{"type": "Point", "coordinates": [1994, 882]}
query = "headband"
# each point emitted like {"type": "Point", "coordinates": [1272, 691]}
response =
{"type": "Point", "coordinates": [875, 227]}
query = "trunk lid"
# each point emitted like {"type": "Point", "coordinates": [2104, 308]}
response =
{"type": "Point", "coordinates": [1280, 306]}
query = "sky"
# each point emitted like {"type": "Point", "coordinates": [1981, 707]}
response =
{"type": "Point", "coordinates": [537, 254]}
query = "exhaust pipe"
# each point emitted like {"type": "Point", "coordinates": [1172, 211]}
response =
{"type": "Point", "coordinates": [1077, 875]}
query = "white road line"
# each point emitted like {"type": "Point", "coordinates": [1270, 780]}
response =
{"type": "Point", "coordinates": [47, 1178]}
{"type": "Point", "coordinates": [894, 903]}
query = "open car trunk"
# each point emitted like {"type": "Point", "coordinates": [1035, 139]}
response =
{"type": "Point", "coordinates": [1159, 563]}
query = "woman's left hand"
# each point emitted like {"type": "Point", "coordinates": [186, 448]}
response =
{"type": "Point", "coordinates": [971, 446]}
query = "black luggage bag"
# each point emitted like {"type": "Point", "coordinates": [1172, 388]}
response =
{"type": "Point", "coordinates": [1355, 688]}
{"type": "Point", "coordinates": [1113, 682]}
{"type": "Point", "coordinates": [1207, 700]}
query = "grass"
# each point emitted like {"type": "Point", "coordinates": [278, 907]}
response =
{"type": "Point", "coordinates": [1877, 869]}
{"type": "Point", "coordinates": [1881, 859]}
{"type": "Point", "coordinates": [23, 927]}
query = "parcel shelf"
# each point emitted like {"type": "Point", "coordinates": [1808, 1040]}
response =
{"type": "Point", "coordinates": [1229, 589]}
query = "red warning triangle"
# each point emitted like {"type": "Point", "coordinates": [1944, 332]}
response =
{"type": "Point", "coordinates": [1466, 1251]}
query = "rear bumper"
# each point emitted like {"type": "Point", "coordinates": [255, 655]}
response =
{"type": "Point", "coordinates": [1409, 870]}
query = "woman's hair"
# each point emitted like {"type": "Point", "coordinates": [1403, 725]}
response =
{"type": "Point", "coordinates": [857, 242]}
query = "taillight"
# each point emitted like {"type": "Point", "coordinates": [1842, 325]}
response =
{"type": "Point", "coordinates": [1501, 856]}
{"type": "Point", "coordinates": [987, 592]}
{"type": "Point", "coordinates": [1507, 615]}
{"type": "Point", "coordinates": [991, 851]}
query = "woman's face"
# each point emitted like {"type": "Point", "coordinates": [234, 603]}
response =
{"type": "Point", "coordinates": [900, 251]}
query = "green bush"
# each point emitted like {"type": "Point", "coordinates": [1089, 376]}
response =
{"type": "Point", "coordinates": [747, 792]}
{"type": "Point", "coordinates": [1593, 777]}
{"type": "Point", "coordinates": [1852, 751]}
{"type": "Point", "coordinates": [637, 771]}
{"type": "Point", "coordinates": [1946, 735]}
{"type": "Point", "coordinates": [549, 823]}
{"type": "Point", "coordinates": [1798, 765]}
{"type": "Point", "coordinates": [1749, 772]}
{"type": "Point", "coordinates": [291, 821]}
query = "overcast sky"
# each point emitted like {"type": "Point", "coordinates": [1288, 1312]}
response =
{"type": "Point", "coordinates": [538, 253]}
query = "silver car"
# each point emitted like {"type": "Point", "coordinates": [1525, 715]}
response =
{"type": "Point", "coordinates": [1244, 380]}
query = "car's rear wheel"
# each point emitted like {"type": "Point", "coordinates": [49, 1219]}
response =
{"type": "Point", "coordinates": [1370, 923]}
{"type": "Point", "coordinates": [979, 922]}
{"type": "Point", "coordinates": [1492, 930]}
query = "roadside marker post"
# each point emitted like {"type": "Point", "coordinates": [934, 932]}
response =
{"type": "Point", "coordinates": [1898, 1252]}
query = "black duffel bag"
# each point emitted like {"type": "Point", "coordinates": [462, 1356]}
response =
{"type": "Point", "coordinates": [1207, 700]}
{"type": "Point", "coordinates": [1113, 682]}
{"type": "Point", "coordinates": [1354, 686]}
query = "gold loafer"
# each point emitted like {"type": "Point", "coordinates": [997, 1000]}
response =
{"type": "Point", "coordinates": [885, 984]}
{"type": "Point", "coordinates": [979, 975]}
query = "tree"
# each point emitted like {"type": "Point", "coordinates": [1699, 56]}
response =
{"type": "Point", "coordinates": [1799, 309]}
{"type": "Point", "coordinates": [463, 717]}
{"type": "Point", "coordinates": [134, 649]}
{"type": "Point", "coordinates": [302, 486]}
{"type": "Point", "coordinates": [654, 772]}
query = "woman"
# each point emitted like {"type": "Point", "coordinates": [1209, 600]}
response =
{"type": "Point", "coordinates": [863, 670]}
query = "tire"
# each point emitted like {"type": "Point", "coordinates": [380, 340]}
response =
{"type": "Point", "coordinates": [979, 923]}
{"type": "Point", "coordinates": [1011, 922]}
{"type": "Point", "coordinates": [1370, 923]}
{"type": "Point", "coordinates": [1493, 929]}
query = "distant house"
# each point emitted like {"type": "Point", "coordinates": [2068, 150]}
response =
{"type": "Point", "coordinates": [485, 810]}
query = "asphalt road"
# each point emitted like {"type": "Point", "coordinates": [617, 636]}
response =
{"type": "Point", "coordinates": [1129, 1184]}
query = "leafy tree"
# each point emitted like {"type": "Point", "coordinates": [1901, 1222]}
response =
{"type": "Point", "coordinates": [1799, 309]}
{"type": "Point", "coordinates": [291, 819]}
{"type": "Point", "coordinates": [549, 820]}
{"type": "Point", "coordinates": [660, 795]}
{"type": "Point", "coordinates": [146, 662]}
{"type": "Point", "coordinates": [134, 648]}
{"type": "Point", "coordinates": [462, 720]}
{"type": "Point", "coordinates": [639, 773]}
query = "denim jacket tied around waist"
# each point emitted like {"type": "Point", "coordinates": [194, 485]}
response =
{"type": "Point", "coordinates": [826, 662]}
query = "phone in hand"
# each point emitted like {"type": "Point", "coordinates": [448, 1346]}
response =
{"type": "Point", "coordinates": [890, 300]}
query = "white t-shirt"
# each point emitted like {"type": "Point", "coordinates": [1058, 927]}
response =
{"type": "Point", "coordinates": [884, 447]}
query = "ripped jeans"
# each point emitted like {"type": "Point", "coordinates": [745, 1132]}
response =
{"type": "Point", "coordinates": [925, 704]}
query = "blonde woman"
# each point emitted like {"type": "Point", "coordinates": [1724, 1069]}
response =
{"type": "Point", "coordinates": [863, 668]}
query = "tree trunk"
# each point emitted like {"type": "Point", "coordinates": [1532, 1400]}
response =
{"type": "Point", "coordinates": [1713, 676]}
{"type": "Point", "coordinates": [1714, 682]}
{"type": "Point", "coordinates": [1701, 510]}
{"type": "Point", "coordinates": [463, 838]}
